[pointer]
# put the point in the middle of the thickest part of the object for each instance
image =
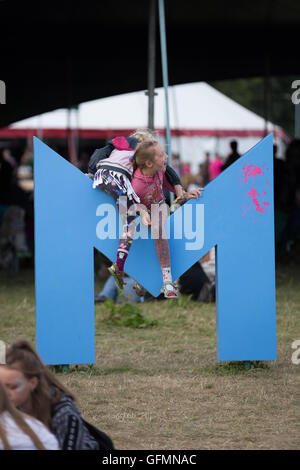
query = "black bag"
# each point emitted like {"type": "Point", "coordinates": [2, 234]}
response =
{"type": "Point", "coordinates": [105, 442]}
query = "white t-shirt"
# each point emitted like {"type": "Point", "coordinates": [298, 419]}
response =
{"type": "Point", "coordinates": [18, 440]}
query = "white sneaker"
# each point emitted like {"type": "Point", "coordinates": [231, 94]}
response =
{"type": "Point", "coordinates": [169, 290]}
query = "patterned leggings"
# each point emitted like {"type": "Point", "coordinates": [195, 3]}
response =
{"type": "Point", "coordinates": [128, 221]}
{"type": "Point", "coordinates": [129, 227]}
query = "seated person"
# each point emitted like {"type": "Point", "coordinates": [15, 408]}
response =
{"type": "Point", "coordinates": [196, 283]}
{"type": "Point", "coordinates": [110, 291]}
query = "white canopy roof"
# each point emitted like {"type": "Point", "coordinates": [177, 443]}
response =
{"type": "Point", "coordinates": [193, 106]}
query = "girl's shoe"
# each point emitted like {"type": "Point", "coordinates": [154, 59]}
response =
{"type": "Point", "coordinates": [117, 275]}
{"type": "Point", "coordinates": [169, 290]}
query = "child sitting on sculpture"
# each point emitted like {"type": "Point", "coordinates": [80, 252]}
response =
{"type": "Point", "coordinates": [112, 169]}
{"type": "Point", "coordinates": [149, 182]}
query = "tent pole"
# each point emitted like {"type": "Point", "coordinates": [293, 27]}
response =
{"type": "Point", "coordinates": [70, 133]}
{"type": "Point", "coordinates": [151, 62]}
{"type": "Point", "coordinates": [297, 121]}
{"type": "Point", "coordinates": [267, 86]}
{"type": "Point", "coordinates": [163, 45]}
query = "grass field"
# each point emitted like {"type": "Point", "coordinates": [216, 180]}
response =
{"type": "Point", "coordinates": [161, 387]}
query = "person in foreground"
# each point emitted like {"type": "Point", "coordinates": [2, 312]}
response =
{"type": "Point", "coordinates": [19, 431]}
{"type": "Point", "coordinates": [34, 390]}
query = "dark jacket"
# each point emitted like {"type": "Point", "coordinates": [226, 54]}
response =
{"type": "Point", "coordinates": [105, 152]}
{"type": "Point", "coordinates": [72, 431]}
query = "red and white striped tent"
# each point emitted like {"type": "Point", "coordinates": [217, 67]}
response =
{"type": "Point", "coordinates": [201, 119]}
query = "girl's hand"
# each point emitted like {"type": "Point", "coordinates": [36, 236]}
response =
{"type": "Point", "coordinates": [146, 219]}
{"type": "Point", "coordinates": [195, 193]}
{"type": "Point", "coordinates": [178, 190]}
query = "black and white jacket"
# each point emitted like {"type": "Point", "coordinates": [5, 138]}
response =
{"type": "Point", "coordinates": [72, 431]}
{"type": "Point", "coordinates": [104, 152]}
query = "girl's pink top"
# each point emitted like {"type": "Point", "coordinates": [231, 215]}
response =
{"type": "Point", "coordinates": [150, 188]}
{"type": "Point", "coordinates": [214, 168]}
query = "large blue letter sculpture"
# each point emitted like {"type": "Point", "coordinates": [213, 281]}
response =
{"type": "Point", "coordinates": [237, 216]}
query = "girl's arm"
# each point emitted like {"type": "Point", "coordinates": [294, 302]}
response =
{"type": "Point", "coordinates": [178, 190]}
{"type": "Point", "coordinates": [172, 177]}
{"type": "Point", "coordinates": [174, 180]}
{"type": "Point", "coordinates": [166, 184]}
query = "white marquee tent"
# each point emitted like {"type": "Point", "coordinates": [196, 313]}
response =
{"type": "Point", "coordinates": [201, 118]}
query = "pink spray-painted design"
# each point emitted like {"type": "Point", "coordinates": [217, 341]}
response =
{"type": "Point", "coordinates": [253, 193]}
{"type": "Point", "coordinates": [260, 208]}
{"type": "Point", "coordinates": [252, 171]}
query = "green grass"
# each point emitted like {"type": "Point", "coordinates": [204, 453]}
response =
{"type": "Point", "coordinates": [161, 387]}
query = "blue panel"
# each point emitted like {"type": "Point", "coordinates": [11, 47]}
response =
{"type": "Point", "coordinates": [236, 214]}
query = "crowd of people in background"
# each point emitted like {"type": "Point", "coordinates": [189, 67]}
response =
{"type": "Point", "coordinates": [16, 209]}
{"type": "Point", "coordinates": [16, 195]}
{"type": "Point", "coordinates": [212, 165]}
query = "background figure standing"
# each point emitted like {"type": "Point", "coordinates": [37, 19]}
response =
{"type": "Point", "coordinates": [6, 176]}
{"type": "Point", "coordinates": [215, 167]}
{"type": "Point", "coordinates": [290, 196]}
{"type": "Point", "coordinates": [176, 163]}
{"type": "Point", "coordinates": [204, 169]}
{"type": "Point", "coordinates": [280, 180]}
{"type": "Point", "coordinates": [233, 155]}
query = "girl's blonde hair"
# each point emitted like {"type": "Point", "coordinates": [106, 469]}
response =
{"type": "Point", "coordinates": [6, 405]}
{"type": "Point", "coordinates": [143, 134]}
{"type": "Point", "coordinates": [22, 357]}
{"type": "Point", "coordinates": [143, 152]}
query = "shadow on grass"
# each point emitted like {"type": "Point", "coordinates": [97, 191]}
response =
{"type": "Point", "coordinates": [91, 370]}
{"type": "Point", "coordinates": [235, 368]}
